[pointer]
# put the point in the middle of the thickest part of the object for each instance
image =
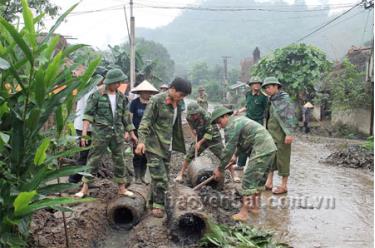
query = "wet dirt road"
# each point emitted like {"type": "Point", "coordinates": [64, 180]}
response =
{"type": "Point", "coordinates": [326, 206]}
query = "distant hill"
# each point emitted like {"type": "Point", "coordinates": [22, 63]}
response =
{"type": "Point", "coordinates": [207, 35]}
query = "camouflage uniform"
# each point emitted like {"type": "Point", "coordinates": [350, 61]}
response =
{"type": "Point", "coordinates": [203, 129]}
{"type": "Point", "coordinates": [203, 101]}
{"type": "Point", "coordinates": [281, 122]}
{"type": "Point", "coordinates": [255, 109]}
{"type": "Point", "coordinates": [157, 132]}
{"type": "Point", "coordinates": [108, 131]}
{"type": "Point", "coordinates": [243, 135]}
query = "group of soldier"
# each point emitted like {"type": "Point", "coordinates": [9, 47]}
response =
{"type": "Point", "coordinates": [155, 129]}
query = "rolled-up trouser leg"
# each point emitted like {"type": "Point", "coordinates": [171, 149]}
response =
{"type": "Point", "coordinates": [255, 175]}
{"type": "Point", "coordinates": [139, 164]}
{"type": "Point", "coordinates": [100, 145]}
{"type": "Point", "coordinates": [117, 146]}
{"type": "Point", "coordinates": [282, 160]}
{"type": "Point", "coordinates": [158, 168]}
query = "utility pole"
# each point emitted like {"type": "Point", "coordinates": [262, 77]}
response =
{"type": "Point", "coordinates": [132, 46]}
{"type": "Point", "coordinates": [225, 60]}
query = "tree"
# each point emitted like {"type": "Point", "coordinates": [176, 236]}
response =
{"type": "Point", "coordinates": [348, 88]}
{"type": "Point", "coordinates": [298, 67]}
{"type": "Point", "coordinates": [156, 54]}
{"type": "Point", "coordinates": [35, 83]}
{"type": "Point", "coordinates": [152, 61]}
{"type": "Point", "coordinates": [199, 72]}
{"type": "Point", "coordinates": [10, 8]}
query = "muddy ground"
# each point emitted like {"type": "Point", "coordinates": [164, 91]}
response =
{"type": "Point", "coordinates": [326, 206]}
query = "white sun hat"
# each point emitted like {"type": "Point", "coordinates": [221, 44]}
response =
{"type": "Point", "coordinates": [144, 86]}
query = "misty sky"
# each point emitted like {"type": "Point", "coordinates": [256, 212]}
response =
{"type": "Point", "coordinates": [108, 27]}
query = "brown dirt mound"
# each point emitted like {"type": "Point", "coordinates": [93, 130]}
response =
{"type": "Point", "coordinates": [87, 224]}
{"type": "Point", "coordinates": [353, 156]}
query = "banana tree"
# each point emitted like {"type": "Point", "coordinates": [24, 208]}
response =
{"type": "Point", "coordinates": [35, 83]}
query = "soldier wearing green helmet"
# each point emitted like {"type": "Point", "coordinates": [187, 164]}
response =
{"type": "Point", "coordinates": [202, 98]}
{"type": "Point", "coordinates": [206, 136]}
{"type": "Point", "coordinates": [107, 112]}
{"type": "Point", "coordinates": [280, 122]}
{"type": "Point", "coordinates": [256, 104]}
{"type": "Point", "coordinates": [245, 136]}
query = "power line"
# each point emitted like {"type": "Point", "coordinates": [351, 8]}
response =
{"type": "Point", "coordinates": [329, 22]}
{"type": "Point", "coordinates": [232, 9]}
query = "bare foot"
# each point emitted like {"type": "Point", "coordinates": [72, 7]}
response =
{"type": "Point", "coordinates": [124, 192]}
{"type": "Point", "coordinates": [83, 192]}
{"type": "Point", "coordinates": [179, 179]}
{"type": "Point", "coordinates": [242, 216]}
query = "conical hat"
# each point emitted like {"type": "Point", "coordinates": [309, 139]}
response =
{"type": "Point", "coordinates": [144, 86]}
{"type": "Point", "coordinates": [308, 105]}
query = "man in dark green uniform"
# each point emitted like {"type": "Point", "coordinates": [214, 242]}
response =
{"type": "Point", "coordinates": [256, 104]}
{"type": "Point", "coordinates": [202, 98]}
{"type": "Point", "coordinates": [281, 123]}
{"type": "Point", "coordinates": [243, 135]}
{"type": "Point", "coordinates": [206, 135]}
{"type": "Point", "coordinates": [107, 111]}
{"type": "Point", "coordinates": [160, 132]}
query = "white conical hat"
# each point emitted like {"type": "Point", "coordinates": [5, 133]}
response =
{"type": "Point", "coordinates": [308, 105]}
{"type": "Point", "coordinates": [144, 86]}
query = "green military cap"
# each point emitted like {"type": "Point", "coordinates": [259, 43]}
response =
{"type": "Point", "coordinates": [255, 80]}
{"type": "Point", "coordinates": [201, 89]}
{"type": "Point", "coordinates": [193, 108]}
{"type": "Point", "coordinates": [114, 76]}
{"type": "Point", "coordinates": [270, 81]}
{"type": "Point", "coordinates": [218, 112]}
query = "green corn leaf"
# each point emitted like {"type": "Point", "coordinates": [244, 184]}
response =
{"type": "Point", "coordinates": [29, 22]}
{"type": "Point", "coordinates": [53, 69]}
{"type": "Point", "coordinates": [89, 71]}
{"type": "Point", "coordinates": [37, 179]}
{"type": "Point", "coordinates": [39, 88]}
{"type": "Point", "coordinates": [48, 203]}
{"type": "Point", "coordinates": [12, 240]}
{"type": "Point", "coordinates": [59, 120]}
{"type": "Point", "coordinates": [65, 171]}
{"type": "Point", "coordinates": [72, 48]}
{"type": "Point", "coordinates": [22, 201]}
{"type": "Point", "coordinates": [51, 47]}
{"type": "Point", "coordinates": [18, 39]}
{"type": "Point", "coordinates": [57, 188]}
{"type": "Point", "coordinates": [40, 155]}
{"type": "Point", "coordinates": [33, 119]}
{"type": "Point", "coordinates": [4, 137]}
{"type": "Point", "coordinates": [62, 209]}
{"type": "Point", "coordinates": [38, 18]}
{"type": "Point", "coordinates": [4, 65]}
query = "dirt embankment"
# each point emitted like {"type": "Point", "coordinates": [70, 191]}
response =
{"type": "Point", "coordinates": [352, 156]}
{"type": "Point", "coordinates": [86, 225]}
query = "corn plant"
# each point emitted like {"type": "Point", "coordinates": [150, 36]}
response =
{"type": "Point", "coordinates": [35, 83]}
{"type": "Point", "coordinates": [240, 235]}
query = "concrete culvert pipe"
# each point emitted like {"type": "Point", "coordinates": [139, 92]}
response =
{"type": "Point", "coordinates": [186, 215]}
{"type": "Point", "coordinates": [127, 212]}
{"type": "Point", "coordinates": [199, 170]}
